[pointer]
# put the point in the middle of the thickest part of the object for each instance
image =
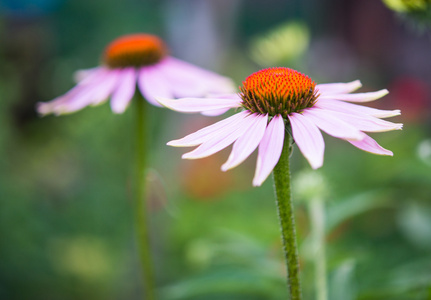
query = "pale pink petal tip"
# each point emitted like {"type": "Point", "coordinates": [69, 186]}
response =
{"type": "Point", "coordinates": [338, 88]}
{"type": "Point", "coordinates": [43, 108]}
{"type": "Point", "coordinates": [358, 97]}
{"type": "Point", "coordinates": [46, 108]}
{"type": "Point", "coordinates": [393, 113]}
{"type": "Point", "coordinates": [370, 145]}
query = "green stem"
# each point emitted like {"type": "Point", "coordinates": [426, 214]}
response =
{"type": "Point", "coordinates": [142, 232]}
{"type": "Point", "coordinates": [287, 220]}
{"type": "Point", "coordinates": [317, 217]}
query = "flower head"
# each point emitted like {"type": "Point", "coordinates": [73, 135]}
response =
{"type": "Point", "coordinates": [277, 91]}
{"type": "Point", "coordinates": [278, 99]}
{"type": "Point", "coordinates": [137, 60]}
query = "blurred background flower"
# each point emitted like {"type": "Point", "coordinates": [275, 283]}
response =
{"type": "Point", "coordinates": [416, 12]}
{"type": "Point", "coordinates": [61, 203]}
{"type": "Point", "coordinates": [282, 45]}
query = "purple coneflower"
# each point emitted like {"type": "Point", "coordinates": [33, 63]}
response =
{"type": "Point", "coordinates": [136, 60]}
{"type": "Point", "coordinates": [130, 63]}
{"type": "Point", "coordinates": [275, 99]}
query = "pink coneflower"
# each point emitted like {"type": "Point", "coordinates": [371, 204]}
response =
{"type": "Point", "coordinates": [136, 60]}
{"type": "Point", "coordinates": [278, 99]}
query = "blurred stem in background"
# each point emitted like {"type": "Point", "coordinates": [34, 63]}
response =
{"type": "Point", "coordinates": [142, 231]}
{"type": "Point", "coordinates": [317, 218]}
{"type": "Point", "coordinates": [287, 219]}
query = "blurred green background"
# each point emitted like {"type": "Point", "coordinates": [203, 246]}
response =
{"type": "Point", "coordinates": [66, 229]}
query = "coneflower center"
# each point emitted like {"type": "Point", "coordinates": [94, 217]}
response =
{"type": "Point", "coordinates": [277, 91]}
{"type": "Point", "coordinates": [134, 50]}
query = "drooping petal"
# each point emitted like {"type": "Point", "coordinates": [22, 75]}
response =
{"type": "Point", "coordinates": [221, 139]}
{"type": "Point", "coordinates": [369, 145]}
{"type": "Point", "coordinates": [80, 75]}
{"type": "Point", "coordinates": [188, 80]}
{"type": "Point", "coordinates": [183, 81]}
{"type": "Point", "coordinates": [345, 107]}
{"type": "Point", "coordinates": [125, 90]}
{"type": "Point", "coordinates": [153, 83]}
{"type": "Point", "coordinates": [45, 108]}
{"type": "Point", "coordinates": [358, 97]}
{"type": "Point", "coordinates": [191, 105]}
{"type": "Point", "coordinates": [105, 89]}
{"type": "Point", "coordinates": [76, 98]}
{"type": "Point", "coordinates": [74, 103]}
{"type": "Point", "coordinates": [247, 143]}
{"type": "Point", "coordinates": [364, 122]}
{"type": "Point", "coordinates": [81, 97]}
{"type": "Point", "coordinates": [206, 133]}
{"type": "Point", "coordinates": [329, 123]}
{"type": "Point", "coordinates": [308, 138]}
{"type": "Point", "coordinates": [270, 148]}
{"type": "Point", "coordinates": [338, 88]}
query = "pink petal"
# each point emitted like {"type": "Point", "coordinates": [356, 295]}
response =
{"type": "Point", "coordinates": [189, 70]}
{"type": "Point", "coordinates": [205, 134]}
{"type": "Point", "coordinates": [79, 98]}
{"type": "Point", "coordinates": [153, 83]}
{"type": "Point", "coordinates": [355, 109]}
{"type": "Point", "coordinates": [370, 145]}
{"type": "Point", "coordinates": [221, 139]}
{"type": "Point", "coordinates": [216, 112]}
{"type": "Point", "coordinates": [76, 98]}
{"type": "Point", "coordinates": [74, 103]}
{"type": "Point", "coordinates": [107, 86]}
{"type": "Point", "coordinates": [308, 138]}
{"type": "Point", "coordinates": [358, 97]}
{"type": "Point", "coordinates": [270, 148]}
{"type": "Point", "coordinates": [184, 83]}
{"type": "Point", "coordinates": [188, 80]}
{"type": "Point", "coordinates": [91, 92]}
{"type": "Point", "coordinates": [247, 143]}
{"type": "Point", "coordinates": [338, 88]}
{"type": "Point", "coordinates": [80, 75]}
{"type": "Point", "coordinates": [198, 104]}
{"type": "Point", "coordinates": [329, 123]}
{"type": "Point", "coordinates": [225, 96]}
{"type": "Point", "coordinates": [364, 122]}
{"type": "Point", "coordinates": [45, 108]}
{"type": "Point", "coordinates": [125, 90]}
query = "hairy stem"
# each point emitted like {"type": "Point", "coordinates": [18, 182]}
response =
{"type": "Point", "coordinates": [287, 220]}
